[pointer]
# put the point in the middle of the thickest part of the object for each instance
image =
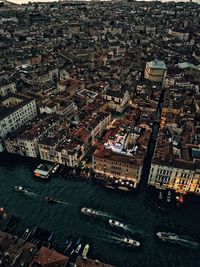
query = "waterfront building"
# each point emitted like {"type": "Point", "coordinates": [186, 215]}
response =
{"type": "Point", "coordinates": [123, 152]}
{"type": "Point", "coordinates": [25, 140]}
{"type": "Point", "coordinates": [15, 111]}
{"type": "Point", "coordinates": [155, 70]}
{"type": "Point", "coordinates": [68, 146]}
{"type": "Point", "coordinates": [175, 164]}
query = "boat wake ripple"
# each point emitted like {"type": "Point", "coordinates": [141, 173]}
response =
{"type": "Point", "coordinates": [187, 243]}
{"type": "Point", "coordinates": [103, 215]}
{"type": "Point", "coordinates": [130, 230]}
{"type": "Point", "coordinates": [31, 194]}
{"type": "Point", "coordinates": [63, 202]}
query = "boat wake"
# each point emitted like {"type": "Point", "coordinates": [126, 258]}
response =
{"type": "Point", "coordinates": [130, 230]}
{"type": "Point", "coordinates": [103, 215]}
{"type": "Point", "coordinates": [187, 243]}
{"type": "Point", "coordinates": [63, 203]}
{"type": "Point", "coordinates": [31, 194]}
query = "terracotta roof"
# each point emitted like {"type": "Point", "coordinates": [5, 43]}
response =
{"type": "Point", "coordinates": [50, 258]}
{"type": "Point", "coordinates": [82, 262]}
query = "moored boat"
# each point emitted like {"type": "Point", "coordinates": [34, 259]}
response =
{"type": "Point", "coordinates": [68, 246]}
{"type": "Point", "coordinates": [124, 188]}
{"type": "Point", "coordinates": [55, 168]}
{"type": "Point", "coordinates": [110, 186]}
{"type": "Point", "coordinates": [89, 212]}
{"type": "Point", "coordinates": [169, 197]}
{"type": "Point", "coordinates": [131, 242]}
{"type": "Point", "coordinates": [160, 196]}
{"type": "Point", "coordinates": [85, 251]}
{"type": "Point", "coordinates": [117, 224]}
{"type": "Point", "coordinates": [78, 249]}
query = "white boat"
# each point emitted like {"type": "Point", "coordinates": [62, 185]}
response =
{"type": "Point", "coordinates": [85, 251]}
{"type": "Point", "coordinates": [169, 197]}
{"type": "Point", "coordinates": [160, 195]}
{"type": "Point", "coordinates": [21, 189]}
{"type": "Point", "coordinates": [131, 242]}
{"type": "Point", "coordinates": [55, 168]}
{"type": "Point", "coordinates": [78, 249]}
{"type": "Point", "coordinates": [89, 212]}
{"type": "Point", "coordinates": [117, 224]}
{"type": "Point", "coordinates": [166, 236]}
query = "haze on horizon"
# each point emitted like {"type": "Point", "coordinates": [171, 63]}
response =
{"type": "Point", "coordinates": [26, 1]}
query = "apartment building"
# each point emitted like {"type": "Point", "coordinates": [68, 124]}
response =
{"type": "Point", "coordinates": [15, 110]}
{"type": "Point", "coordinates": [25, 140]}
{"type": "Point", "coordinates": [123, 153]}
{"type": "Point", "coordinates": [116, 100]}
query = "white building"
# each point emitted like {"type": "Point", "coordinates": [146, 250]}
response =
{"type": "Point", "coordinates": [25, 141]}
{"type": "Point", "coordinates": [155, 70]}
{"type": "Point", "coordinates": [15, 111]}
{"type": "Point", "coordinates": [117, 100]}
{"type": "Point", "coordinates": [172, 177]}
{"type": "Point", "coordinates": [7, 87]}
{"type": "Point", "coordinates": [180, 34]}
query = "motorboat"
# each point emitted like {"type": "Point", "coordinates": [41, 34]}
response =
{"type": "Point", "coordinates": [166, 236]}
{"type": "Point", "coordinates": [50, 200]}
{"type": "Point", "coordinates": [131, 242]}
{"type": "Point", "coordinates": [89, 212]}
{"type": "Point", "coordinates": [78, 249]}
{"type": "Point", "coordinates": [160, 196]}
{"type": "Point", "coordinates": [55, 168]}
{"type": "Point", "coordinates": [110, 186]}
{"type": "Point", "coordinates": [78, 241]}
{"type": "Point", "coordinates": [85, 251]}
{"type": "Point", "coordinates": [169, 197]}
{"type": "Point", "coordinates": [21, 189]}
{"type": "Point", "coordinates": [116, 224]}
{"type": "Point", "coordinates": [68, 246]}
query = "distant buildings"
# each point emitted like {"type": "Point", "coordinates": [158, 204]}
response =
{"type": "Point", "coordinates": [116, 100]}
{"type": "Point", "coordinates": [155, 70]}
{"type": "Point", "coordinates": [7, 87]}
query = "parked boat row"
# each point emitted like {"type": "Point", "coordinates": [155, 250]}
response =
{"type": "Point", "coordinates": [75, 248]}
{"type": "Point", "coordinates": [168, 197]}
{"type": "Point", "coordinates": [115, 183]}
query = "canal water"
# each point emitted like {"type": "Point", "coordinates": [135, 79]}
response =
{"type": "Point", "coordinates": [138, 210]}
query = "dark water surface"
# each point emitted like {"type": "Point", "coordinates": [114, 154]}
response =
{"type": "Point", "coordinates": [138, 210]}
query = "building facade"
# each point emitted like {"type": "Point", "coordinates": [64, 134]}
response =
{"type": "Point", "coordinates": [15, 111]}
{"type": "Point", "coordinates": [155, 70]}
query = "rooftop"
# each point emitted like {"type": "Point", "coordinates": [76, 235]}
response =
{"type": "Point", "coordinates": [50, 258]}
{"type": "Point", "coordinates": [84, 262]}
{"type": "Point", "coordinates": [157, 64]}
